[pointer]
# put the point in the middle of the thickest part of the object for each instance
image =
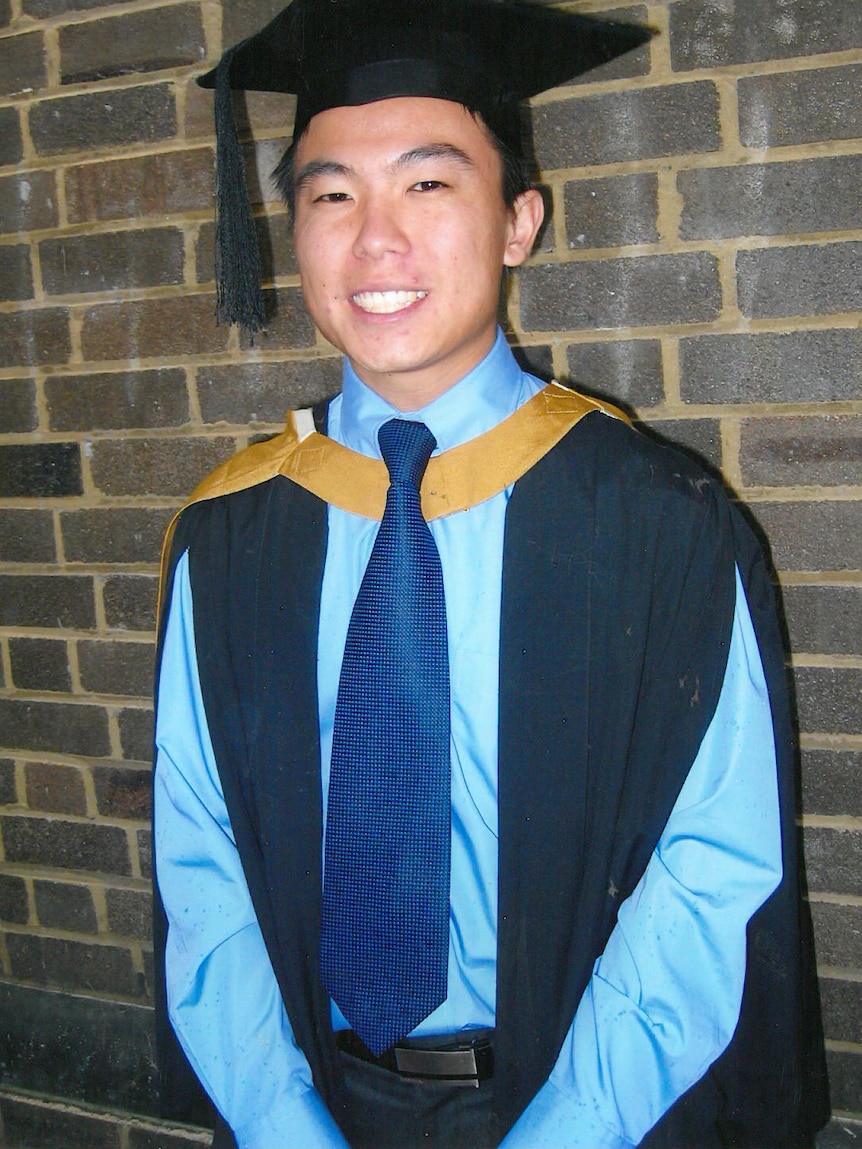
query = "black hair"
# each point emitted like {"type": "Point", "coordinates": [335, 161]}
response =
{"type": "Point", "coordinates": [516, 173]}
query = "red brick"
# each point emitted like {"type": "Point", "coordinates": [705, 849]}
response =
{"type": "Point", "coordinates": [151, 328]}
{"type": "Point", "coordinates": [54, 727]}
{"type": "Point", "coordinates": [288, 324]}
{"type": "Point", "coordinates": [169, 183]}
{"type": "Point", "coordinates": [34, 337]}
{"type": "Point", "coordinates": [136, 734]}
{"type": "Point", "coordinates": [54, 788]}
{"type": "Point", "coordinates": [121, 535]}
{"type": "Point", "coordinates": [816, 450]}
{"type": "Point", "coordinates": [27, 536]}
{"type": "Point", "coordinates": [263, 392]}
{"type": "Point", "coordinates": [130, 602]}
{"type": "Point", "coordinates": [123, 792]}
{"type": "Point", "coordinates": [117, 667]}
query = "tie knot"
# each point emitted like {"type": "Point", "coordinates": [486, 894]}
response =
{"type": "Point", "coordinates": [406, 446]}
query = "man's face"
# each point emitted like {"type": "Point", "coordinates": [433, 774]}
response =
{"type": "Point", "coordinates": [401, 234]}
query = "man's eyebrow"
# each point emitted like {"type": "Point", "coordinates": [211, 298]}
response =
{"type": "Point", "coordinates": [424, 152]}
{"type": "Point", "coordinates": [316, 168]}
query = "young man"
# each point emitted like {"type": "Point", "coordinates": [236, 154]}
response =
{"type": "Point", "coordinates": [474, 810]}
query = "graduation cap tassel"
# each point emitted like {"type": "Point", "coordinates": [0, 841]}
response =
{"type": "Point", "coordinates": [237, 259]}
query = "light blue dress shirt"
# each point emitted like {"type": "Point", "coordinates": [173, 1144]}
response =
{"type": "Point", "coordinates": [664, 997]}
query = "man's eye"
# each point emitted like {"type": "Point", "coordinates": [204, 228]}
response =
{"type": "Point", "coordinates": [428, 185]}
{"type": "Point", "coordinates": [332, 197]}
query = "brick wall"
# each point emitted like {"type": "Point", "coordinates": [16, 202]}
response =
{"type": "Point", "coordinates": [702, 267]}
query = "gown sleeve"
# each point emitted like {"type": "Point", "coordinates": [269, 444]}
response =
{"type": "Point", "coordinates": [223, 999]}
{"type": "Point", "coordinates": [664, 997]}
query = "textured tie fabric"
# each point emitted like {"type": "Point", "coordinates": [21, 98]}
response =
{"type": "Point", "coordinates": [385, 927]}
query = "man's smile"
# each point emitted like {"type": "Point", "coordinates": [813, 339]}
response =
{"type": "Point", "coordinates": [386, 302]}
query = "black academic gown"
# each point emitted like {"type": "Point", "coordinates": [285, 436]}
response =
{"type": "Point", "coordinates": [617, 606]}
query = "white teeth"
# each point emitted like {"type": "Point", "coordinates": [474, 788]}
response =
{"type": "Point", "coordinates": [386, 302]}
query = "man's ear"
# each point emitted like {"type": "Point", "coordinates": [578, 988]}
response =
{"type": "Point", "coordinates": [527, 214]}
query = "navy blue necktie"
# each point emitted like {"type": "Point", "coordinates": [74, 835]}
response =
{"type": "Point", "coordinates": [385, 927]}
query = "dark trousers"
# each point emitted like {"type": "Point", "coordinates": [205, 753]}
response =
{"type": "Point", "coordinates": [385, 1112]}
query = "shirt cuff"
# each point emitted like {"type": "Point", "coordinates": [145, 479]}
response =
{"type": "Point", "coordinates": [554, 1121]}
{"type": "Point", "coordinates": [302, 1122]}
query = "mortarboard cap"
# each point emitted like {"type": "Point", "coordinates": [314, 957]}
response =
{"type": "Point", "coordinates": [486, 54]}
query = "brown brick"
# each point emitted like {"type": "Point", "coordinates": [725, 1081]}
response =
{"type": "Point", "coordinates": [130, 602]}
{"type": "Point", "coordinates": [813, 536]}
{"type": "Point", "coordinates": [34, 338]}
{"type": "Point", "coordinates": [39, 664]}
{"type": "Point", "coordinates": [32, 1123]}
{"type": "Point", "coordinates": [145, 852]}
{"type": "Point", "coordinates": [16, 273]}
{"type": "Point", "coordinates": [170, 183]}
{"type": "Point", "coordinates": [114, 536]}
{"type": "Point", "coordinates": [287, 322]}
{"type": "Point", "coordinates": [54, 727]}
{"type": "Point", "coordinates": [784, 367]}
{"type": "Point", "coordinates": [117, 401]}
{"type": "Point", "coordinates": [28, 202]}
{"type": "Point", "coordinates": [153, 327]}
{"type": "Point", "coordinates": [40, 470]}
{"type": "Point", "coordinates": [22, 63]}
{"type": "Point", "coordinates": [831, 782]}
{"type": "Point", "coordinates": [130, 913]}
{"type": "Point", "coordinates": [85, 263]}
{"type": "Point", "coordinates": [800, 107]}
{"type": "Point", "coordinates": [274, 242]}
{"type": "Point", "coordinates": [8, 789]}
{"type": "Point", "coordinates": [612, 212]}
{"type": "Point", "coordinates": [113, 119]}
{"type": "Point", "coordinates": [621, 126]}
{"type": "Point", "coordinates": [838, 934]}
{"type": "Point", "coordinates": [632, 292]}
{"type": "Point", "coordinates": [264, 392]}
{"type": "Point", "coordinates": [62, 906]}
{"type": "Point", "coordinates": [11, 145]}
{"type": "Point", "coordinates": [706, 34]}
{"type": "Point", "coordinates": [14, 907]}
{"type": "Point", "coordinates": [165, 37]}
{"type": "Point", "coordinates": [833, 860]}
{"type": "Point", "coordinates": [622, 370]}
{"type": "Point", "coordinates": [827, 699]}
{"type": "Point", "coordinates": [17, 406]}
{"type": "Point", "coordinates": [136, 734]}
{"type": "Point", "coordinates": [123, 792]}
{"type": "Point", "coordinates": [47, 600]}
{"type": "Point", "coordinates": [700, 438]}
{"type": "Point", "coordinates": [66, 845]}
{"type": "Point", "coordinates": [824, 619]}
{"type": "Point", "coordinates": [811, 279]}
{"type": "Point", "coordinates": [818, 450]}
{"type": "Point", "coordinates": [842, 1009]}
{"type": "Point", "coordinates": [156, 466]}
{"type": "Point", "coordinates": [5, 13]}
{"type": "Point", "coordinates": [27, 536]}
{"type": "Point", "coordinates": [771, 199]}
{"type": "Point", "coordinates": [117, 667]}
{"type": "Point", "coordinates": [54, 788]}
{"type": "Point", "coordinates": [73, 965]}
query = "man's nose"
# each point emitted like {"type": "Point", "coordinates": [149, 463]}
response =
{"type": "Point", "coordinates": [381, 232]}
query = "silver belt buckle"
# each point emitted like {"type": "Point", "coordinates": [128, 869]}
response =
{"type": "Point", "coordinates": [438, 1066]}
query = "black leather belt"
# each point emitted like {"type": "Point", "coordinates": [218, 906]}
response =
{"type": "Point", "coordinates": [458, 1060]}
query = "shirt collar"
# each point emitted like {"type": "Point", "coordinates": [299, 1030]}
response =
{"type": "Point", "coordinates": [492, 391]}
